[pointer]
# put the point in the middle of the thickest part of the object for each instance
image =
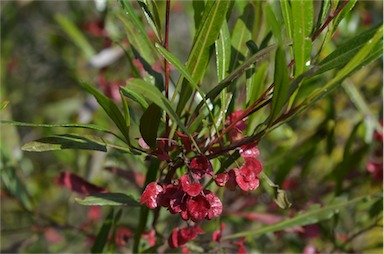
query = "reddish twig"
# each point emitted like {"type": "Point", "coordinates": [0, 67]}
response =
{"type": "Point", "coordinates": [329, 19]}
{"type": "Point", "coordinates": [166, 64]}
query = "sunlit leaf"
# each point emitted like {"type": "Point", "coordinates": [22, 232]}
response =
{"type": "Point", "coordinates": [199, 56]}
{"type": "Point", "coordinates": [302, 28]}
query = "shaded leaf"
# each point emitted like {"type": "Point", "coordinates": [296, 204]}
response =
{"type": "Point", "coordinates": [313, 215]}
{"type": "Point", "coordinates": [102, 236]}
{"type": "Point", "coordinates": [281, 80]}
{"type": "Point", "coordinates": [77, 184]}
{"type": "Point", "coordinates": [3, 105]}
{"type": "Point", "coordinates": [110, 108]}
{"type": "Point", "coordinates": [66, 141]}
{"type": "Point", "coordinates": [108, 199]}
{"type": "Point", "coordinates": [153, 94]}
{"type": "Point", "coordinates": [149, 123]}
{"type": "Point", "coordinates": [132, 94]}
{"type": "Point", "coordinates": [76, 35]}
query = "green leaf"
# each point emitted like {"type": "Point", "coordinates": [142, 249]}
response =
{"type": "Point", "coordinates": [281, 80]}
{"type": "Point", "coordinates": [302, 28]}
{"type": "Point", "coordinates": [346, 51]}
{"type": "Point", "coordinates": [313, 215]}
{"type": "Point", "coordinates": [151, 19]}
{"type": "Point", "coordinates": [110, 108]}
{"type": "Point", "coordinates": [281, 198]}
{"type": "Point", "coordinates": [154, 95]}
{"type": "Point", "coordinates": [137, 34]}
{"type": "Point", "coordinates": [347, 8]}
{"type": "Point", "coordinates": [287, 17]}
{"type": "Point", "coordinates": [258, 57]}
{"type": "Point", "coordinates": [223, 52]}
{"type": "Point", "coordinates": [102, 236]}
{"type": "Point", "coordinates": [76, 35]}
{"type": "Point", "coordinates": [149, 123]}
{"type": "Point", "coordinates": [64, 125]}
{"type": "Point", "coordinates": [108, 199]}
{"type": "Point", "coordinates": [132, 94]}
{"type": "Point", "coordinates": [3, 105]}
{"type": "Point", "coordinates": [12, 183]}
{"type": "Point", "coordinates": [242, 32]}
{"type": "Point", "coordinates": [274, 24]}
{"type": "Point", "coordinates": [66, 141]}
{"type": "Point", "coordinates": [199, 56]}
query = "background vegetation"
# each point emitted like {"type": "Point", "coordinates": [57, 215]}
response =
{"type": "Point", "coordinates": [328, 156]}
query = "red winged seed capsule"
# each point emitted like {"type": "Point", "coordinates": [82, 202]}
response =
{"type": "Point", "coordinates": [200, 166]}
{"type": "Point", "coordinates": [150, 195]}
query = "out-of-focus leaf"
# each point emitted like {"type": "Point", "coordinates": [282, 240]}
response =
{"type": "Point", "coordinates": [154, 95]}
{"type": "Point", "coordinates": [242, 32]}
{"type": "Point", "coordinates": [346, 51]}
{"type": "Point", "coordinates": [281, 198]}
{"type": "Point", "coordinates": [336, 21]}
{"type": "Point", "coordinates": [3, 105]}
{"type": "Point", "coordinates": [110, 108]}
{"type": "Point", "coordinates": [12, 182]}
{"type": "Point", "coordinates": [313, 215]}
{"type": "Point", "coordinates": [281, 79]}
{"type": "Point", "coordinates": [75, 34]}
{"type": "Point", "coordinates": [127, 115]}
{"type": "Point", "coordinates": [64, 125]}
{"type": "Point", "coordinates": [137, 34]}
{"type": "Point", "coordinates": [108, 199]}
{"type": "Point", "coordinates": [149, 123]}
{"type": "Point", "coordinates": [66, 141]}
{"type": "Point", "coordinates": [102, 236]}
{"type": "Point", "coordinates": [199, 56]}
{"type": "Point", "coordinates": [78, 184]}
{"type": "Point", "coordinates": [302, 28]}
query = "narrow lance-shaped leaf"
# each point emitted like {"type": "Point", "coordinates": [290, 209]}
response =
{"type": "Point", "coordinates": [75, 34]}
{"type": "Point", "coordinates": [102, 236]}
{"type": "Point", "coordinates": [110, 108]}
{"type": "Point", "coordinates": [199, 55]}
{"type": "Point", "coordinates": [180, 67]}
{"type": "Point", "coordinates": [108, 199]}
{"type": "Point", "coordinates": [302, 11]}
{"type": "Point", "coordinates": [312, 216]}
{"type": "Point", "coordinates": [281, 80]}
{"type": "Point", "coordinates": [66, 141]}
{"type": "Point", "coordinates": [274, 24]}
{"type": "Point", "coordinates": [154, 95]}
{"type": "Point", "coordinates": [155, 24]}
{"type": "Point", "coordinates": [149, 123]}
{"type": "Point", "coordinates": [136, 33]}
{"type": "Point", "coordinates": [64, 125]}
{"type": "Point", "coordinates": [242, 32]}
